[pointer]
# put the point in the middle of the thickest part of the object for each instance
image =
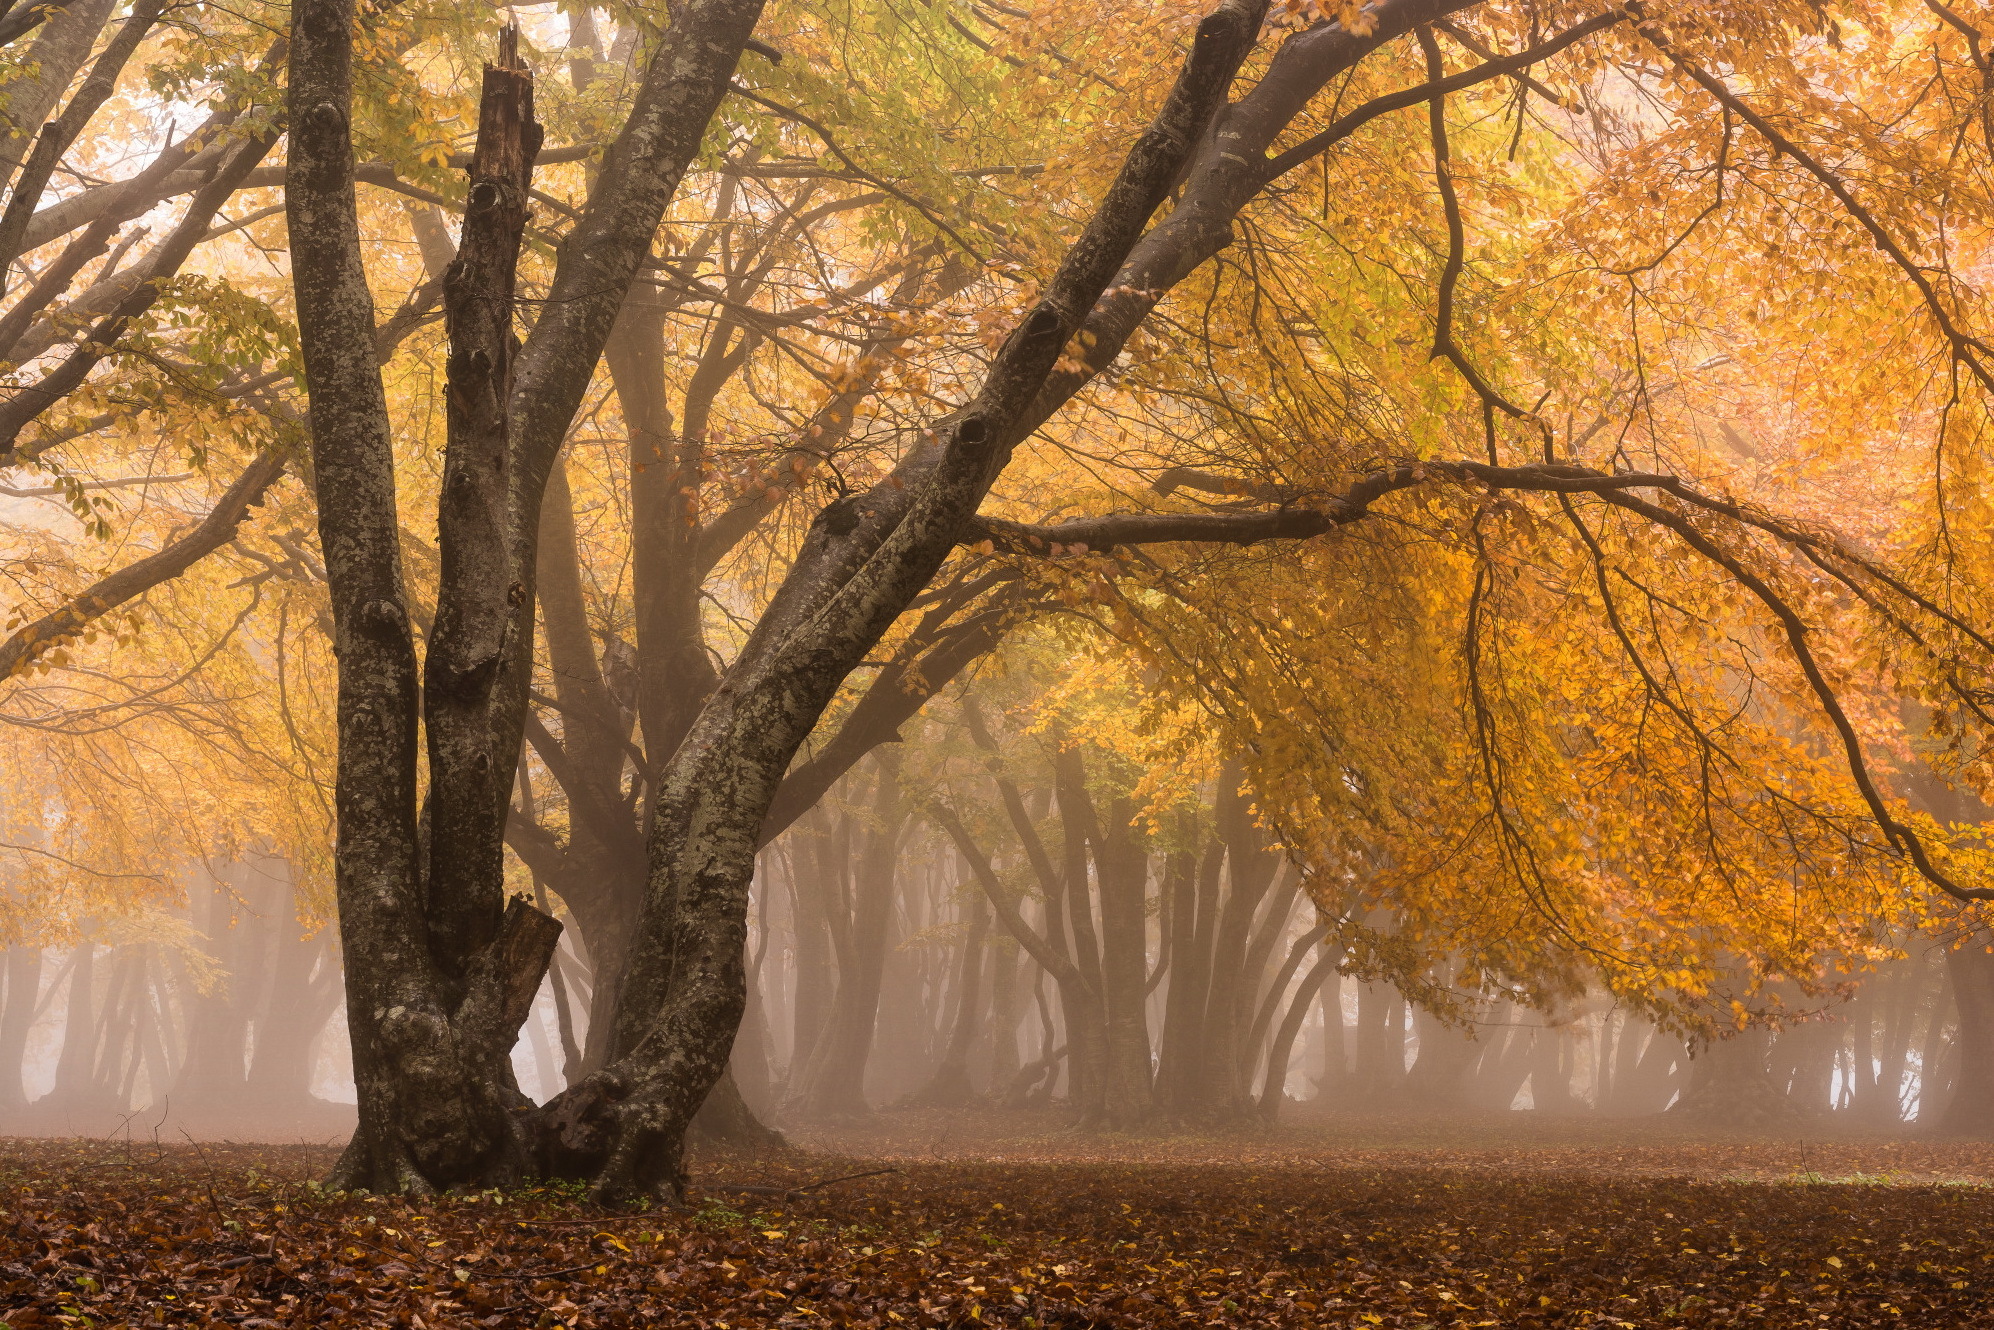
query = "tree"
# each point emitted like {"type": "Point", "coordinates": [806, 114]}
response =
{"type": "Point", "coordinates": [1381, 458]}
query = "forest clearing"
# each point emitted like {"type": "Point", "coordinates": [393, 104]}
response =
{"type": "Point", "coordinates": [994, 662]}
{"type": "Point", "coordinates": [1476, 1225]}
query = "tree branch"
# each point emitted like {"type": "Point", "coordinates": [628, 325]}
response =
{"type": "Point", "coordinates": [21, 649]}
{"type": "Point", "coordinates": [1347, 124]}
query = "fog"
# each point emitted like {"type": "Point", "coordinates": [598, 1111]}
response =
{"type": "Point", "coordinates": [225, 1020]}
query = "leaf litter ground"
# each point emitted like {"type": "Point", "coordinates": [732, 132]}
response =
{"type": "Point", "coordinates": [1002, 1220]}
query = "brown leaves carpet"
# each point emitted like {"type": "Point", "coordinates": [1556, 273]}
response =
{"type": "Point", "coordinates": [1002, 1221]}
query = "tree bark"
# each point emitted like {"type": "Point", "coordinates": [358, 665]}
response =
{"type": "Point", "coordinates": [433, 1015]}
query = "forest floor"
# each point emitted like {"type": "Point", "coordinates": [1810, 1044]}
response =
{"type": "Point", "coordinates": [1001, 1219]}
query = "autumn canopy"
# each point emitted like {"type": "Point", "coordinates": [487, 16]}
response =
{"type": "Point", "coordinates": [1155, 509]}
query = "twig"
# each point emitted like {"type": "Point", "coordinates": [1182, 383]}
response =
{"type": "Point", "coordinates": [539, 1274]}
{"type": "Point", "coordinates": [738, 1188]}
{"type": "Point", "coordinates": [796, 1191]}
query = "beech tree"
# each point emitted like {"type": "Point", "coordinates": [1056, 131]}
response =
{"type": "Point", "coordinates": [439, 967]}
{"type": "Point", "coordinates": [1368, 383]}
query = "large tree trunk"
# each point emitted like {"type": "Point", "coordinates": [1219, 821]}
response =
{"type": "Point", "coordinates": [439, 972]}
{"type": "Point", "coordinates": [56, 55]}
{"type": "Point", "coordinates": [421, 1022]}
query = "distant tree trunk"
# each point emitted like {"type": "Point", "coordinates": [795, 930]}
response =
{"type": "Point", "coordinates": [950, 1086]}
{"type": "Point", "coordinates": [1439, 1074]}
{"type": "Point", "coordinates": [76, 1064]}
{"type": "Point", "coordinates": [23, 974]}
{"type": "Point", "coordinates": [724, 1116]}
{"type": "Point", "coordinates": [834, 1082]}
{"type": "Point", "coordinates": [1080, 1000]}
{"type": "Point", "coordinates": [1934, 1089]}
{"type": "Point", "coordinates": [1728, 1083]}
{"type": "Point", "coordinates": [1273, 1001]}
{"type": "Point", "coordinates": [1894, 1054]}
{"type": "Point", "coordinates": [304, 994]}
{"type": "Point", "coordinates": [217, 1019]}
{"type": "Point", "coordinates": [750, 1066]}
{"type": "Point", "coordinates": [1380, 1039]}
{"type": "Point", "coordinates": [829, 860]}
{"type": "Point", "coordinates": [1192, 883]}
{"type": "Point", "coordinates": [1863, 1085]}
{"type": "Point", "coordinates": [1804, 1063]}
{"type": "Point", "coordinates": [121, 1048]}
{"type": "Point", "coordinates": [155, 1039]}
{"type": "Point", "coordinates": [1122, 870]}
{"type": "Point", "coordinates": [1970, 1110]}
{"type": "Point", "coordinates": [1645, 1083]}
{"type": "Point", "coordinates": [1502, 1069]}
{"type": "Point", "coordinates": [1550, 1070]}
{"type": "Point", "coordinates": [1088, 1067]}
{"type": "Point", "coordinates": [1250, 870]}
{"type": "Point", "coordinates": [1274, 1089]}
{"type": "Point", "coordinates": [1333, 1073]}
{"type": "Point", "coordinates": [1006, 1008]}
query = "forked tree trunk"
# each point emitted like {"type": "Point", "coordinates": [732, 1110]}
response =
{"type": "Point", "coordinates": [428, 1021]}
{"type": "Point", "coordinates": [440, 973]}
